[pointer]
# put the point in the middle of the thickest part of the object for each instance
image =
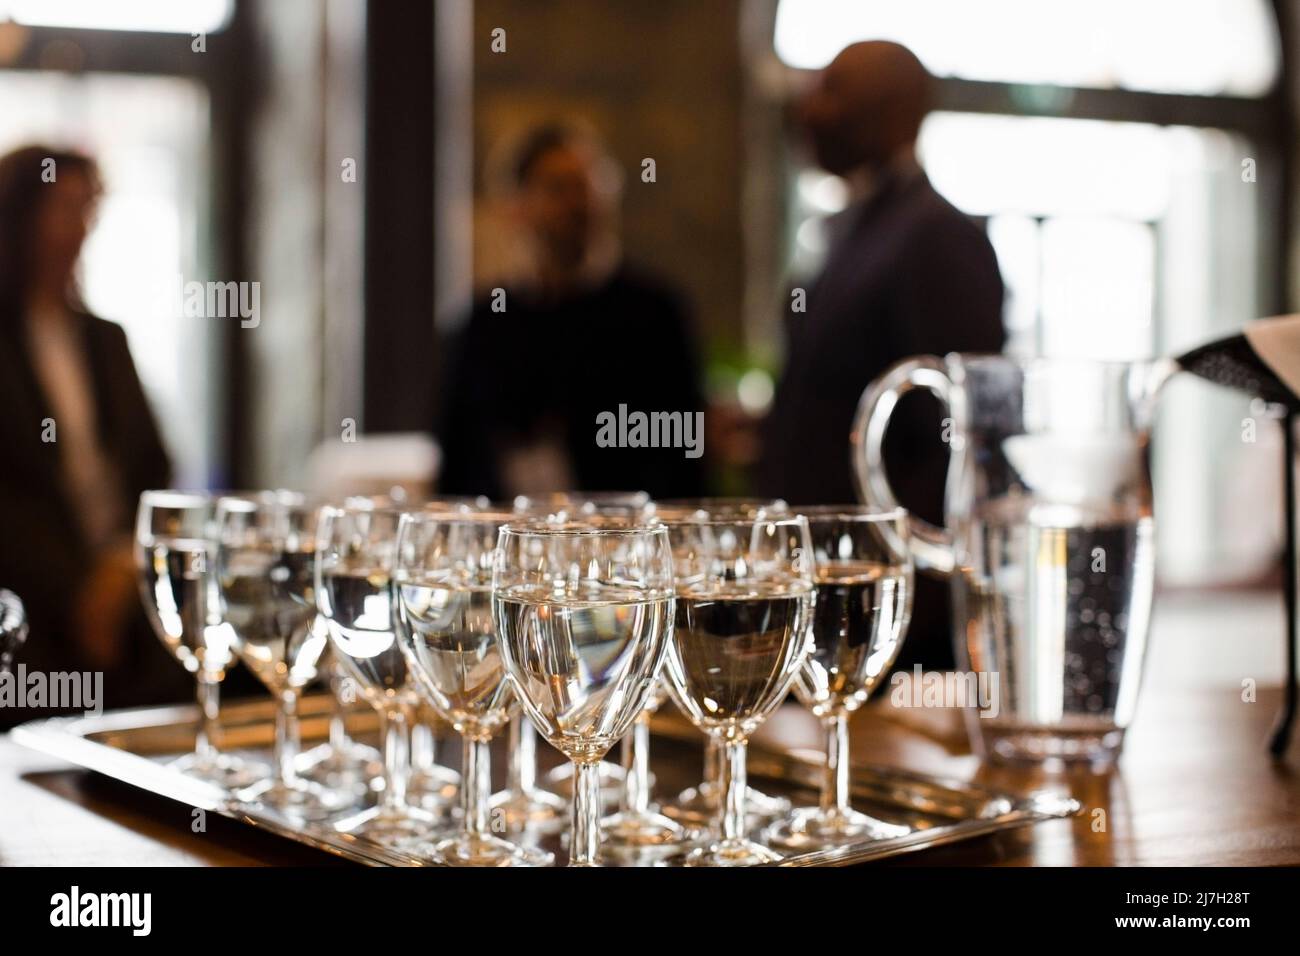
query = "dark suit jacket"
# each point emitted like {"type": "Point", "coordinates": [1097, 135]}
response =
{"type": "Point", "coordinates": [907, 274]}
{"type": "Point", "coordinates": [43, 555]}
{"type": "Point", "coordinates": [556, 366]}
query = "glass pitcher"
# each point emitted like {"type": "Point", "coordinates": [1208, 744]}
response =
{"type": "Point", "coordinates": [1047, 540]}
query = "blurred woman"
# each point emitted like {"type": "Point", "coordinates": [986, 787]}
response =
{"type": "Point", "coordinates": [80, 441]}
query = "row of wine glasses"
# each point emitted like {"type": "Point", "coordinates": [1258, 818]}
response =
{"type": "Point", "coordinates": [579, 615]}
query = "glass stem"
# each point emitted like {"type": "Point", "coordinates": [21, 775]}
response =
{"type": "Point", "coordinates": [523, 756]}
{"type": "Point", "coordinates": [635, 753]}
{"type": "Point", "coordinates": [712, 767]}
{"type": "Point", "coordinates": [340, 742]}
{"type": "Point", "coordinates": [423, 747]}
{"type": "Point", "coordinates": [338, 739]}
{"type": "Point", "coordinates": [734, 786]}
{"type": "Point", "coordinates": [397, 748]}
{"type": "Point", "coordinates": [476, 786]}
{"type": "Point", "coordinates": [287, 737]}
{"type": "Point", "coordinates": [835, 785]}
{"type": "Point", "coordinates": [585, 837]}
{"type": "Point", "coordinates": [208, 697]}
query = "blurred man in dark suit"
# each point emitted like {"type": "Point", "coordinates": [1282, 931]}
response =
{"type": "Point", "coordinates": [80, 442]}
{"type": "Point", "coordinates": [575, 337]}
{"type": "Point", "coordinates": [906, 274]}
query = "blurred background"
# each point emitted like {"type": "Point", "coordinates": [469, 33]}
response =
{"type": "Point", "coordinates": [1132, 163]}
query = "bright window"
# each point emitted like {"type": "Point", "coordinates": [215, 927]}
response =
{"type": "Point", "coordinates": [1164, 46]}
{"type": "Point", "coordinates": [156, 16]}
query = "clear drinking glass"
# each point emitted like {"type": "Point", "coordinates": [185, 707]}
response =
{"type": "Point", "coordinates": [583, 611]}
{"type": "Point", "coordinates": [355, 548]}
{"type": "Point", "coordinates": [431, 784]}
{"type": "Point", "coordinates": [698, 805]}
{"type": "Point", "coordinates": [638, 826]}
{"type": "Point", "coordinates": [744, 604]}
{"type": "Point", "coordinates": [442, 586]}
{"type": "Point", "coordinates": [340, 762]}
{"type": "Point", "coordinates": [175, 554]}
{"type": "Point", "coordinates": [524, 803]}
{"type": "Point", "coordinates": [863, 573]}
{"type": "Point", "coordinates": [266, 545]}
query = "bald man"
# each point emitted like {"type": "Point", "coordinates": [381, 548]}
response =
{"type": "Point", "coordinates": [905, 274]}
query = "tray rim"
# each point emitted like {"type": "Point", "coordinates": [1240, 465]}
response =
{"type": "Point", "coordinates": [68, 739]}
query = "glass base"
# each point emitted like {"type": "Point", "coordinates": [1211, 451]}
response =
{"type": "Point", "coordinates": [224, 770]}
{"type": "Point", "coordinates": [393, 828]}
{"type": "Point", "coordinates": [531, 809]}
{"type": "Point", "coordinates": [485, 850]}
{"type": "Point", "coordinates": [434, 788]}
{"type": "Point", "coordinates": [325, 758]}
{"type": "Point", "coordinates": [1099, 746]}
{"type": "Point", "coordinates": [731, 853]}
{"type": "Point", "coordinates": [698, 806]}
{"type": "Point", "coordinates": [301, 800]}
{"type": "Point", "coordinates": [641, 830]}
{"type": "Point", "coordinates": [560, 780]}
{"type": "Point", "coordinates": [810, 829]}
{"type": "Point", "coordinates": [352, 770]}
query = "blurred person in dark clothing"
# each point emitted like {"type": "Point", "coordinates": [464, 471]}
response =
{"type": "Point", "coordinates": [80, 441]}
{"type": "Point", "coordinates": [905, 274]}
{"type": "Point", "coordinates": [578, 335]}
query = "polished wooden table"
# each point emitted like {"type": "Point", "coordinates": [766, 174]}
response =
{"type": "Point", "coordinates": [1196, 785]}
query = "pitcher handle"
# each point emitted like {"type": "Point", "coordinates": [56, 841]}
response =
{"type": "Point", "coordinates": [932, 548]}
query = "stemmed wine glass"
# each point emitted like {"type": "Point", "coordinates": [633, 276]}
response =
{"type": "Point", "coordinates": [638, 826]}
{"type": "Point", "coordinates": [523, 803]}
{"type": "Point", "coordinates": [442, 587]}
{"type": "Point", "coordinates": [174, 555]}
{"type": "Point", "coordinates": [343, 762]}
{"type": "Point", "coordinates": [583, 611]}
{"type": "Point", "coordinates": [355, 548]}
{"type": "Point", "coordinates": [266, 545]}
{"type": "Point", "coordinates": [339, 762]}
{"type": "Point", "coordinates": [863, 573]}
{"type": "Point", "coordinates": [698, 805]}
{"type": "Point", "coordinates": [744, 603]}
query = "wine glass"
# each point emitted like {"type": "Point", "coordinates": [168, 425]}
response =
{"type": "Point", "coordinates": [346, 763]}
{"type": "Point", "coordinates": [744, 602]}
{"type": "Point", "coordinates": [637, 827]}
{"type": "Point", "coordinates": [266, 546]}
{"type": "Point", "coordinates": [339, 762]}
{"type": "Point", "coordinates": [355, 547]}
{"type": "Point", "coordinates": [13, 628]}
{"type": "Point", "coordinates": [174, 556]}
{"type": "Point", "coordinates": [698, 805]}
{"type": "Point", "coordinates": [523, 803]}
{"type": "Point", "coordinates": [583, 611]}
{"type": "Point", "coordinates": [442, 589]}
{"type": "Point", "coordinates": [429, 783]}
{"type": "Point", "coordinates": [863, 573]}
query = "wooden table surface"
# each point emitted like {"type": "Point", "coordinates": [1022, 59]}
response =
{"type": "Point", "coordinates": [1196, 787]}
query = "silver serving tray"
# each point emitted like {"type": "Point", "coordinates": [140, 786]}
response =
{"type": "Point", "coordinates": [135, 747]}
